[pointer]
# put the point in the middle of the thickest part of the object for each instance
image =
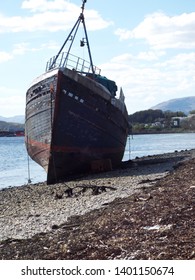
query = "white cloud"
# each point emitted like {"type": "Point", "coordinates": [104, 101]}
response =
{"type": "Point", "coordinates": [162, 31]}
{"type": "Point", "coordinates": [52, 45]}
{"type": "Point", "coordinates": [45, 5]}
{"type": "Point", "coordinates": [150, 55]}
{"type": "Point", "coordinates": [50, 16]}
{"type": "Point", "coordinates": [5, 56]}
{"type": "Point", "coordinates": [123, 34]}
{"type": "Point", "coordinates": [23, 47]}
{"type": "Point", "coordinates": [166, 69]}
{"type": "Point", "coordinates": [124, 58]}
{"type": "Point", "coordinates": [149, 82]}
{"type": "Point", "coordinates": [20, 49]}
{"type": "Point", "coordinates": [12, 103]}
{"type": "Point", "coordinates": [128, 58]}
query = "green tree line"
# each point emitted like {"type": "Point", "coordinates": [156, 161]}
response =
{"type": "Point", "coordinates": [150, 116]}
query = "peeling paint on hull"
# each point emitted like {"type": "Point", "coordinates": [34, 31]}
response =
{"type": "Point", "coordinates": [72, 122]}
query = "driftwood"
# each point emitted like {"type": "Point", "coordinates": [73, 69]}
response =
{"type": "Point", "coordinates": [79, 189]}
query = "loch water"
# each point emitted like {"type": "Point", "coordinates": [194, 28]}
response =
{"type": "Point", "coordinates": [16, 168]}
{"type": "Point", "coordinates": [154, 144]}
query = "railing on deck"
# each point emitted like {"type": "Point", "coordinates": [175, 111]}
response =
{"type": "Point", "coordinates": [71, 62]}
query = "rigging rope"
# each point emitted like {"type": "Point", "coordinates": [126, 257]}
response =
{"type": "Point", "coordinates": [28, 160]}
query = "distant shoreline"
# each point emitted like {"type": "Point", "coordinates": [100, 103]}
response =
{"type": "Point", "coordinates": [12, 134]}
{"type": "Point", "coordinates": [161, 132]}
{"type": "Point", "coordinates": [21, 133]}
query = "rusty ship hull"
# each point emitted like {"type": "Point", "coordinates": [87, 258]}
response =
{"type": "Point", "coordinates": [73, 125]}
{"type": "Point", "coordinates": [74, 122]}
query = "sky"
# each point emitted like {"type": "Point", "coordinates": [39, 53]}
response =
{"type": "Point", "coordinates": [146, 46]}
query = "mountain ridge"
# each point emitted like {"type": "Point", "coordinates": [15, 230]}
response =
{"type": "Point", "coordinates": [14, 119]}
{"type": "Point", "coordinates": [183, 104]}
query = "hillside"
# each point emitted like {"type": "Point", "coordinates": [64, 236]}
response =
{"type": "Point", "coordinates": [14, 119]}
{"type": "Point", "coordinates": [9, 126]}
{"type": "Point", "coordinates": [185, 104]}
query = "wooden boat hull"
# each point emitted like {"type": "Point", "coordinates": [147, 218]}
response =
{"type": "Point", "coordinates": [73, 125]}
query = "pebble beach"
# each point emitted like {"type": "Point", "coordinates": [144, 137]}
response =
{"type": "Point", "coordinates": [31, 209]}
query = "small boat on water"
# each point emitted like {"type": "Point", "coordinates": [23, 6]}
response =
{"type": "Point", "coordinates": [74, 121]}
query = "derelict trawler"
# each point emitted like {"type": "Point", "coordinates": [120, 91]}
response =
{"type": "Point", "coordinates": [74, 122]}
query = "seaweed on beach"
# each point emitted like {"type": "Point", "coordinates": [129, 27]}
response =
{"type": "Point", "coordinates": [156, 222]}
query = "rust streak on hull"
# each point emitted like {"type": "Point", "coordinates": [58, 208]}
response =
{"type": "Point", "coordinates": [74, 122]}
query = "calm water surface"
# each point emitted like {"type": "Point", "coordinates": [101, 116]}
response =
{"type": "Point", "coordinates": [14, 163]}
{"type": "Point", "coordinates": [14, 159]}
{"type": "Point", "coordinates": [144, 145]}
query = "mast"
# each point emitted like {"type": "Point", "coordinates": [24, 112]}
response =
{"type": "Point", "coordinates": [86, 37]}
{"type": "Point", "coordinates": [71, 37]}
